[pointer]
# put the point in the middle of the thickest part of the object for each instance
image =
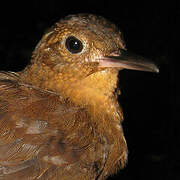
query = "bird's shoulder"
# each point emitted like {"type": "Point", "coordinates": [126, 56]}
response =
{"type": "Point", "coordinates": [19, 95]}
{"type": "Point", "coordinates": [40, 131]}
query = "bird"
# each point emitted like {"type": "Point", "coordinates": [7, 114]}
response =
{"type": "Point", "coordinates": [60, 118]}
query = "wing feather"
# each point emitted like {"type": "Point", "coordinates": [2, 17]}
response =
{"type": "Point", "coordinates": [41, 134]}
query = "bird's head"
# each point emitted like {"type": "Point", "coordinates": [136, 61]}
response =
{"type": "Point", "coordinates": [82, 54]}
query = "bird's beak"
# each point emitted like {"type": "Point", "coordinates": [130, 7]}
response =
{"type": "Point", "coordinates": [126, 60]}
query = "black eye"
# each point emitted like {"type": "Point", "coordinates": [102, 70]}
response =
{"type": "Point", "coordinates": [74, 45]}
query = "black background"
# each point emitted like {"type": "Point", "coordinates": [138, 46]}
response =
{"type": "Point", "coordinates": [147, 98]}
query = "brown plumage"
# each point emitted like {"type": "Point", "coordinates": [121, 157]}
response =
{"type": "Point", "coordinates": [59, 117]}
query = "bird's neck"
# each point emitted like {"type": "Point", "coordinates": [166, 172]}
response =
{"type": "Point", "coordinates": [96, 91]}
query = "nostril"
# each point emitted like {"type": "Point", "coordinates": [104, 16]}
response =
{"type": "Point", "coordinates": [115, 53]}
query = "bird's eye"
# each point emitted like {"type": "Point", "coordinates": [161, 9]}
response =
{"type": "Point", "coordinates": [74, 45]}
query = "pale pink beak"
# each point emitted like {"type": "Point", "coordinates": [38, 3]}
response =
{"type": "Point", "coordinates": [126, 60]}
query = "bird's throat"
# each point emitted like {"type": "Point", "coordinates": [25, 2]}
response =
{"type": "Point", "coordinates": [95, 90]}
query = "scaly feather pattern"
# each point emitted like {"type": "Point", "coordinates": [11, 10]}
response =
{"type": "Point", "coordinates": [59, 117]}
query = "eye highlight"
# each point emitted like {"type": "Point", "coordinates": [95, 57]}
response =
{"type": "Point", "coordinates": [73, 45]}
